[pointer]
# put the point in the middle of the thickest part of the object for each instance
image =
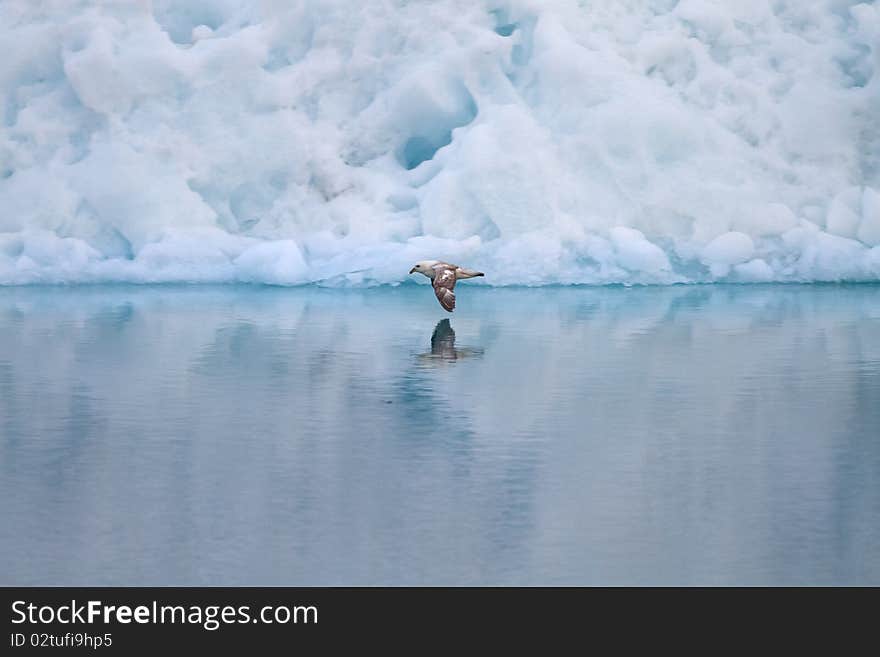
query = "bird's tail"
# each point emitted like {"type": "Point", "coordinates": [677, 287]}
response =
{"type": "Point", "coordinates": [468, 273]}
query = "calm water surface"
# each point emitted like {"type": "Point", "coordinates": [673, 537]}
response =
{"type": "Point", "coordinates": [247, 435]}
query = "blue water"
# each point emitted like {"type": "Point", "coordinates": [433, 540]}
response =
{"type": "Point", "coordinates": [248, 435]}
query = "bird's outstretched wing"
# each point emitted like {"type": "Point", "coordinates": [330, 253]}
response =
{"type": "Point", "coordinates": [444, 283]}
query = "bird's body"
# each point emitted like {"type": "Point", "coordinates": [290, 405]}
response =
{"type": "Point", "coordinates": [443, 276]}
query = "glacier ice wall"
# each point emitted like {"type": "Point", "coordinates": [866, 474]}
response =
{"type": "Point", "coordinates": [636, 141]}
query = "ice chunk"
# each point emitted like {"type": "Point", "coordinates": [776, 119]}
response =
{"type": "Point", "coordinates": [279, 262]}
{"type": "Point", "coordinates": [546, 142]}
{"type": "Point", "coordinates": [754, 271]}
{"type": "Point", "coordinates": [636, 253]}
{"type": "Point", "coordinates": [729, 249]}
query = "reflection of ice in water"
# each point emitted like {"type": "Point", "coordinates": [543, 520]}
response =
{"type": "Point", "coordinates": [443, 346]}
{"type": "Point", "coordinates": [305, 436]}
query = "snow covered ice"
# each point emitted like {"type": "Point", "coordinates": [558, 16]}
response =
{"type": "Point", "coordinates": [638, 141]}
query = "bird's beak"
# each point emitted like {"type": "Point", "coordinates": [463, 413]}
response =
{"type": "Point", "coordinates": [412, 271]}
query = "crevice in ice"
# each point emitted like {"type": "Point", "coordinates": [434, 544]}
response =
{"type": "Point", "coordinates": [249, 203]}
{"type": "Point", "coordinates": [856, 66]}
{"type": "Point", "coordinates": [81, 140]}
{"type": "Point", "coordinates": [521, 53]}
{"type": "Point", "coordinates": [106, 238]}
{"type": "Point", "coordinates": [432, 129]}
{"type": "Point", "coordinates": [179, 19]}
{"type": "Point", "coordinates": [419, 149]}
{"type": "Point", "coordinates": [503, 25]}
{"type": "Point", "coordinates": [122, 243]}
{"type": "Point", "coordinates": [216, 198]}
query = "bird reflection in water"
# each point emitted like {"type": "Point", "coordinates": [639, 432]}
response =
{"type": "Point", "coordinates": [443, 346]}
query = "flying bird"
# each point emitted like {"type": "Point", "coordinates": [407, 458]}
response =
{"type": "Point", "coordinates": [443, 276]}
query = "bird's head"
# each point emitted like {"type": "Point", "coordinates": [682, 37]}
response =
{"type": "Point", "coordinates": [423, 267]}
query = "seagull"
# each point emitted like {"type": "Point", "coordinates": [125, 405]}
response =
{"type": "Point", "coordinates": [443, 276]}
